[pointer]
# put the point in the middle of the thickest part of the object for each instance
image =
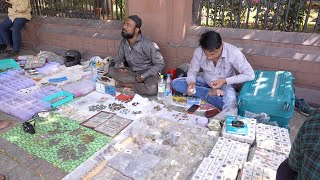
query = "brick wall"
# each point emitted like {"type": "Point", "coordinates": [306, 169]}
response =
{"type": "Point", "coordinates": [90, 37]}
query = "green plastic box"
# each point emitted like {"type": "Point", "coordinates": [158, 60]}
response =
{"type": "Point", "coordinates": [8, 64]}
{"type": "Point", "coordinates": [64, 98]}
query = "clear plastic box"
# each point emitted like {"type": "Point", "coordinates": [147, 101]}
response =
{"type": "Point", "coordinates": [80, 88]}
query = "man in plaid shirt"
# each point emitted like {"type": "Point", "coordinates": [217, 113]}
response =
{"type": "Point", "coordinates": [304, 157]}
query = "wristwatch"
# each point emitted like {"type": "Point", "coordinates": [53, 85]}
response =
{"type": "Point", "coordinates": [142, 77]}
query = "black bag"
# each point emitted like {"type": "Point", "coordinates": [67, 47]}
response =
{"type": "Point", "coordinates": [182, 70]}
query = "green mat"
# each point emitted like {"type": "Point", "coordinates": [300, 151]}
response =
{"type": "Point", "coordinates": [60, 141]}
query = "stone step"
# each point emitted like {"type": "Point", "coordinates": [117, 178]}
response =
{"type": "Point", "coordinates": [306, 54]}
{"type": "Point", "coordinates": [307, 40]}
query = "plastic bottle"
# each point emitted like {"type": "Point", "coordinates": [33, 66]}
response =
{"type": "Point", "coordinates": [168, 92]}
{"type": "Point", "coordinates": [94, 73]}
{"type": "Point", "coordinates": [161, 88]}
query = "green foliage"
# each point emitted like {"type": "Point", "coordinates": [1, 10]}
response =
{"type": "Point", "coordinates": [121, 4]}
{"type": "Point", "coordinates": [271, 14]}
{"type": "Point", "coordinates": [293, 16]}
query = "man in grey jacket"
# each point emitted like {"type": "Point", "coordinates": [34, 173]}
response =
{"type": "Point", "coordinates": [143, 58]}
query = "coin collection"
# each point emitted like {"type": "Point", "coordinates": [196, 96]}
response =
{"type": "Point", "coordinates": [98, 107]}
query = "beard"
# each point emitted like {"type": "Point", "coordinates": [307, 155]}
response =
{"type": "Point", "coordinates": [126, 35]}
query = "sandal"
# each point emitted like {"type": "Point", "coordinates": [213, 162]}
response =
{"type": "Point", "coordinates": [4, 124]}
{"type": "Point", "coordinates": [3, 48]}
{"type": "Point", "coordinates": [11, 53]}
{"type": "Point", "coordinates": [2, 177]}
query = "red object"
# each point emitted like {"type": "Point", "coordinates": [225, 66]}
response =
{"type": "Point", "coordinates": [172, 73]}
{"type": "Point", "coordinates": [124, 97]}
{"type": "Point", "coordinates": [212, 113]}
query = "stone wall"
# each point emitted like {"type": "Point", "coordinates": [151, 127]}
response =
{"type": "Point", "coordinates": [90, 37]}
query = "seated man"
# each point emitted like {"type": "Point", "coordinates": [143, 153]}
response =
{"type": "Point", "coordinates": [304, 157]}
{"type": "Point", "coordinates": [143, 57]}
{"type": "Point", "coordinates": [19, 12]}
{"type": "Point", "coordinates": [219, 61]}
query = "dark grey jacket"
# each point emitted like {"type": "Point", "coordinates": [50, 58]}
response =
{"type": "Point", "coordinates": [143, 58]}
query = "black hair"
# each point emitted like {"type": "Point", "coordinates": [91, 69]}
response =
{"type": "Point", "coordinates": [139, 30]}
{"type": "Point", "coordinates": [210, 41]}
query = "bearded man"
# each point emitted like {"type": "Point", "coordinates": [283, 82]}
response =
{"type": "Point", "coordinates": [143, 58]}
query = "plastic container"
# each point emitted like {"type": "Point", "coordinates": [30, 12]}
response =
{"type": "Point", "coordinates": [66, 97]}
{"type": "Point", "coordinates": [21, 106]}
{"type": "Point", "coordinates": [45, 91]}
{"type": "Point", "coordinates": [161, 88]}
{"type": "Point", "coordinates": [48, 68]}
{"type": "Point", "coordinates": [8, 64]}
{"type": "Point", "coordinates": [24, 114]}
{"type": "Point", "coordinates": [16, 82]}
{"type": "Point", "coordinates": [168, 92]}
{"type": "Point", "coordinates": [80, 88]}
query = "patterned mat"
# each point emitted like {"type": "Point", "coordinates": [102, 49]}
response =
{"type": "Point", "coordinates": [58, 140]}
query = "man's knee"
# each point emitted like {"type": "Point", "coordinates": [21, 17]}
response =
{"type": "Point", "coordinates": [4, 28]}
{"type": "Point", "coordinates": [148, 90]}
{"type": "Point", "coordinates": [179, 84]}
{"type": "Point", "coordinates": [230, 97]}
{"type": "Point", "coordinates": [149, 87]}
{"type": "Point", "coordinates": [112, 71]}
{"type": "Point", "coordinates": [152, 90]}
{"type": "Point", "coordinates": [16, 29]}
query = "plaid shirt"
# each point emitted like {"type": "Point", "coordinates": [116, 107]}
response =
{"type": "Point", "coordinates": [304, 157]}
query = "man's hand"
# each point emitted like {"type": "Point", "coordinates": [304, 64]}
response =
{"type": "Point", "coordinates": [218, 83]}
{"type": "Point", "coordinates": [191, 89]}
{"type": "Point", "coordinates": [139, 79]}
{"type": "Point", "coordinates": [216, 92]}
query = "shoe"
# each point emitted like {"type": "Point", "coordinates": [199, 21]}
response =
{"type": "Point", "coordinates": [303, 107]}
{"type": "Point", "coordinates": [12, 53]}
{"type": "Point", "coordinates": [3, 48]}
{"type": "Point", "coordinates": [2, 177]}
{"type": "Point", "coordinates": [4, 124]}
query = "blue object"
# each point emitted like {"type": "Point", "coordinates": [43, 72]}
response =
{"type": "Point", "coordinates": [66, 98]}
{"type": "Point", "coordinates": [193, 100]}
{"type": "Point", "coordinates": [60, 79]}
{"type": "Point", "coordinates": [202, 89]}
{"type": "Point", "coordinates": [110, 90]}
{"type": "Point", "coordinates": [236, 130]}
{"type": "Point", "coordinates": [16, 27]}
{"type": "Point", "coordinates": [271, 92]}
{"type": "Point", "coordinates": [9, 64]}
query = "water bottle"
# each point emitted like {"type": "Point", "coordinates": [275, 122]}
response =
{"type": "Point", "coordinates": [161, 88]}
{"type": "Point", "coordinates": [168, 92]}
{"type": "Point", "coordinates": [94, 73]}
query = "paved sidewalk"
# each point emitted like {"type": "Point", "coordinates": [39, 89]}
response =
{"type": "Point", "coordinates": [17, 164]}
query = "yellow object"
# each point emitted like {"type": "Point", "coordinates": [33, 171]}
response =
{"type": "Point", "coordinates": [19, 9]}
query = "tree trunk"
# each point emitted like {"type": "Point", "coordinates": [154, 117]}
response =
{"type": "Point", "coordinates": [197, 12]}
